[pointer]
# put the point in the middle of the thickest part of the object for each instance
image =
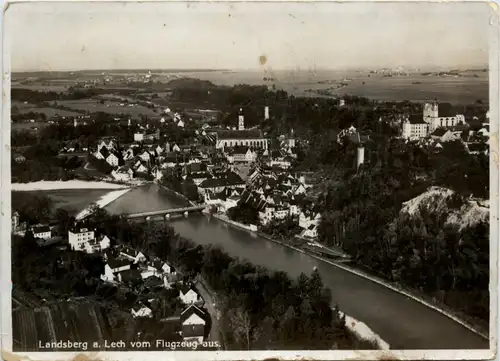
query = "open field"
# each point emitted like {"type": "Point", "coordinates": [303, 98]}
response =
{"type": "Point", "coordinates": [64, 321]}
{"type": "Point", "coordinates": [21, 105]}
{"type": "Point", "coordinates": [465, 88]}
{"type": "Point", "coordinates": [49, 112]}
{"type": "Point", "coordinates": [92, 105]}
{"type": "Point", "coordinates": [42, 87]}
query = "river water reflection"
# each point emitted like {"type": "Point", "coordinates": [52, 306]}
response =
{"type": "Point", "coordinates": [400, 321]}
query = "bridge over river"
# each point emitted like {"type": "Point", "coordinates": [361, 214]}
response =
{"type": "Point", "coordinates": [167, 212]}
{"type": "Point", "coordinates": [399, 320]}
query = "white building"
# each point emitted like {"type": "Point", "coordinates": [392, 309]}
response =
{"type": "Point", "coordinates": [79, 237]}
{"type": "Point", "coordinates": [306, 220]}
{"type": "Point", "coordinates": [189, 296]}
{"type": "Point", "coordinates": [124, 174]}
{"type": "Point", "coordinates": [242, 154]}
{"type": "Point", "coordinates": [311, 232]}
{"type": "Point", "coordinates": [273, 213]}
{"type": "Point", "coordinates": [436, 120]}
{"type": "Point", "coordinates": [138, 137]}
{"type": "Point", "coordinates": [112, 160]}
{"type": "Point", "coordinates": [415, 128]}
{"type": "Point", "coordinates": [42, 232]}
{"type": "Point", "coordinates": [113, 267]}
{"type": "Point", "coordinates": [141, 310]}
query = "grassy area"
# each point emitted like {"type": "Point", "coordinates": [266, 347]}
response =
{"type": "Point", "coordinates": [49, 112]}
{"type": "Point", "coordinates": [43, 87]}
{"type": "Point", "coordinates": [93, 105]}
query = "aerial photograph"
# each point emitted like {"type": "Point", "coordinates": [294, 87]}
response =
{"type": "Point", "coordinates": [249, 176]}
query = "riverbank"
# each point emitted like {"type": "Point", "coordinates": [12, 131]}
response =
{"type": "Point", "coordinates": [358, 328]}
{"type": "Point", "coordinates": [71, 184]}
{"type": "Point", "coordinates": [104, 201]}
{"type": "Point", "coordinates": [414, 295]}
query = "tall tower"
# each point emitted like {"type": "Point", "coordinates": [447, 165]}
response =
{"type": "Point", "coordinates": [75, 122]}
{"type": "Point", "coordinates": [430, 111]}
{"type": "Point", "coordinates": [266, 113]}
{"type": "Point", "coordinates": [241, 120]}
{"type": "Point", "coordinates": [129, 122]}
{"type": "Point", "coordinates": [360, 156]}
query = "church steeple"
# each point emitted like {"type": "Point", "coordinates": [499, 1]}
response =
{"type": "Point", "coordinates": [241, 120]}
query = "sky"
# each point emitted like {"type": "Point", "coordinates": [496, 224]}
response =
{"type": "Point", "coordinates": [86, 36]}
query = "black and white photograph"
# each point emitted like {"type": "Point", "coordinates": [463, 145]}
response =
{"type": "Point", "coordinates": [250, 180]}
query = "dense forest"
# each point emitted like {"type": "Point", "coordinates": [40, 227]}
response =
{"type": "Point", "coordinates": [362, 215]}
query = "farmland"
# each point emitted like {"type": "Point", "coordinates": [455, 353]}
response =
{"type": "Point", "coordinates": [49, 112]}
{"type": "Point", "coordinates": [93, 105]}
{"type": "Point", "coordinates": [70, 321]}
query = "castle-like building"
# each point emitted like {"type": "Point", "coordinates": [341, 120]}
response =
{"type": "Point", "coordinates": [415, 127]}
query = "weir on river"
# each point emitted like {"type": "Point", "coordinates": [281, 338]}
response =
{"type": "Point", "coordinates": [402, 322]}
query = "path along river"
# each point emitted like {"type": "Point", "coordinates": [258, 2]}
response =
{"type": "Point", "coordinates": [399, 320]}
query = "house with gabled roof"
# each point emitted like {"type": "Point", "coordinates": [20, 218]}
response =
{"type": "Point", "coordinates": [131, 276]}
{"type": "Point", "coordinates": [113, 267]}
{"type": "Point", "coordinates": [133, 255]}
{"type": "Point", "coordinates": [42, 232]}
{"type": "Point", "coordinates": [310, 232]}
{"type": "Point", "coordinates": [193, 323]}
{"type": "Point", "coordinates": [188, 295]}
{"type": "Point", "coordinates": [212, 184]}
{"type": "Point", "coordinates": [444, 135]}
{"type": "Point", "coordinates": [307, 218]}
{"type": "Point", "coordinates": [140, 167]}
{"type": "Point", "coordinates": [113, 159]}
{"type": "Point", "coordinates": [123, 173]}
{"type": "Point", "coordinates": [140, 310]}
{"type": "Point", "coordinates": [102, 153]}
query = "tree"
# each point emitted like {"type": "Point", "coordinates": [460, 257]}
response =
{"type": "Point", "coordinates": [241, 324]}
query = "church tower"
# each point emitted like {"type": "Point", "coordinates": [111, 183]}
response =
{"type": "Point", "coordinates": [241, 120]}
{"type": "Point", "coordinates": [430, 111]}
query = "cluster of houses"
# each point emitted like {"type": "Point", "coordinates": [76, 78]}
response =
{"type": "Point", "coordinates": [127, 267]}
{"type": "Point", "coordinates": [131, 268]}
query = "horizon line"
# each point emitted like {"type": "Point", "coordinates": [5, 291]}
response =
{"type": "Point", "coordinates": [262, 69]}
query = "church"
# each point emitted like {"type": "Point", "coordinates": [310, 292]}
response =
{"type": "Point", "coordinates": [415, 127]}
{"type": "Point", "coordinates": [445, 119]}
{"type": "Point", "coordinates": [241, 137]}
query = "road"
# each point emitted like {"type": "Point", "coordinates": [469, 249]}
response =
{"type": "Point", "coordinates": [210, 305]}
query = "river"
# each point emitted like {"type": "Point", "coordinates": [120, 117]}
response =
{"type": "Point", "coordinates": [399, 320]}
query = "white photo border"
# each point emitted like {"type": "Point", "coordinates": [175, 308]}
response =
{"type": "Point", "coordinates": [5, 229]}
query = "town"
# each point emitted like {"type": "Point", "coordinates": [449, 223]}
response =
{"type": "Point", "coordinates": [244, 175]}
